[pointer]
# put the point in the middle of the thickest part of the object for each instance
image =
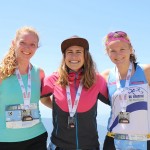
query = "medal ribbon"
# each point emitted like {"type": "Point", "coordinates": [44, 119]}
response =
{"type": "Point", "coordinates": [26, 94]}
{"type": "Point", "coordinates": [123, 97]}
{"type": "Point", "coordinates": [127, 77]}
{"type": "Point", "coordinates": [72, 109]}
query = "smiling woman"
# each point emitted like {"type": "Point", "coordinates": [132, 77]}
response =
{"type": "Point", "coordinates": [25, 45]}
{"type": "Point", "coordinates": [76, 88]}
{"type": "Point", "coordinates": [20, 84]}
{"type": "Point", "coordinates": [128, 86]}
{"type": "Point", "coordinates": [74, 57]}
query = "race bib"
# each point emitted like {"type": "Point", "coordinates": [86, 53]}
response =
{"type": "Point", "coordinates": [18, 117]}
{"type": "Point", "coordinates": [130, 145]}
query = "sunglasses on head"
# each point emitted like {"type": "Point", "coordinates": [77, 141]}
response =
{"type": "Point", "coordinates": [116, 34]}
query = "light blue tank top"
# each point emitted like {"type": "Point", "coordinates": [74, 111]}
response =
{"type": "Point", "coordinates": [11, 112]}
{"type": "Point", "coordinates": [137, 78]}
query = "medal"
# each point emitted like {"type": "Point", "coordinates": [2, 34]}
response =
{"type": "Point", "coordinates": [124, 117]}
{"type": "Point", "coordinates": [73, 108]}
{"type": "Point", "coordinates": [71, 122]}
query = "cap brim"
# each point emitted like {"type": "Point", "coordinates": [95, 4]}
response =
{"type": "Point", "coordinates": [74, 42]}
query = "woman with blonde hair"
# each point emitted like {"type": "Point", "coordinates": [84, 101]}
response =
{"type": "Point", "coordinates": [76, 87]}
{"type": "Point", "coordinates": [128, 88]}
{"type": "Point", "coordinates": [20, 84]}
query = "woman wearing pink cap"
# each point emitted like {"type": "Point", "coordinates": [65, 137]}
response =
{"type": "Point", "coordinates": [76, 87]}
{"type": "Point", "coordinates": [128, 86]}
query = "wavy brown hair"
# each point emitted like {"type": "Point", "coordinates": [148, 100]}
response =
{"type": "Point", "coordinates": [9, 62]}
{"type": "Point", "coordinates": [88, 75]}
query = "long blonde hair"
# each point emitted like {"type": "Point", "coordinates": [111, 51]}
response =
{"type": "Point", "coordinates": [9, 62]}
{"type": "Point", "coordinates": [89, 71]}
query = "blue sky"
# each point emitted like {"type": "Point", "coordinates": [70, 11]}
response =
{"type": "Point", "coordinates": [59, 19]}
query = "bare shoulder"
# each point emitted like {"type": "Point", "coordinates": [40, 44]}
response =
{"type": "Point", "coordinates": [146, 68]}
{"type": "Point", "coordinates": [42, 74]}
{"type": "Point", "coordinates": [105, 74]}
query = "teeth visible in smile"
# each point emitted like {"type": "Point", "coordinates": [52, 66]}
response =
{"type": "Point", "coordinates": [74, 62]}
{"type": "Point", "coordinates": [26, 53]}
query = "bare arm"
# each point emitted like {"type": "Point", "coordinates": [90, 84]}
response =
{"type": "Point", "coordinates": [147, 72]}
{"type": "Point", "coordinates": [42, 74]}
{"type": "Point", "coordinates": [105, 74]}
{"type": "Point", "coordinates": [46, 101]}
